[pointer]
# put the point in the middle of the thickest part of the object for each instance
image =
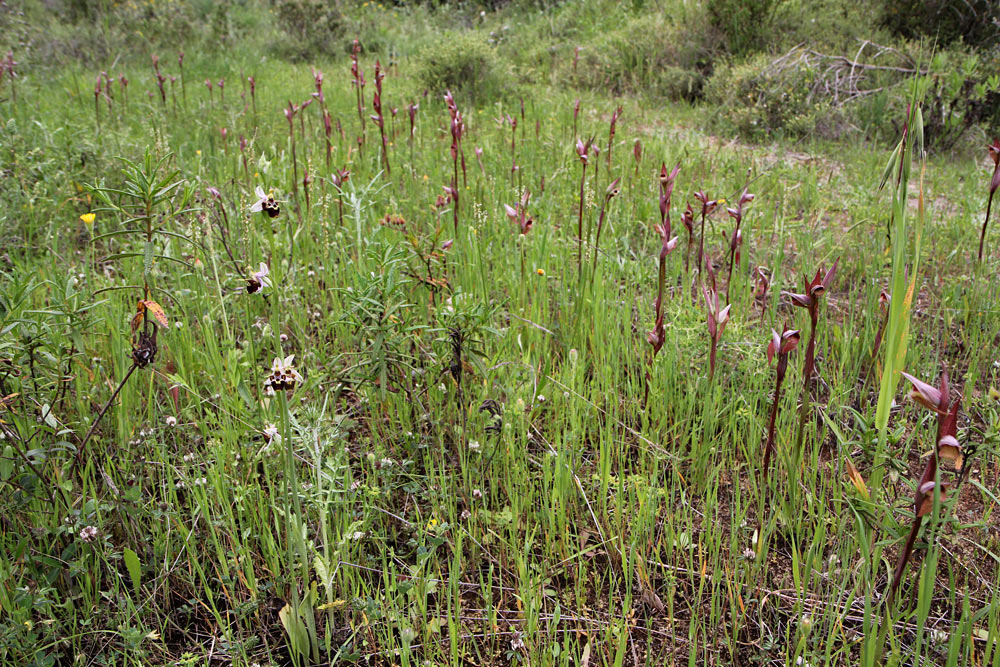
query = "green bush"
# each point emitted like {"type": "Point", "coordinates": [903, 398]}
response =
{"type": "Point", "coordinates": [651, 55]}
{"type": "Point", "coordinates": [757, 100]}
{"type": "Point", "coordinates": [462, 61]}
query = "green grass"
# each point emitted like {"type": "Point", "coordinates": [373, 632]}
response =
{"type": "Point", "coordinates": [399, 521]}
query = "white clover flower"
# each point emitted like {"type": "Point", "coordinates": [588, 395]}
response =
{"type": "Point", "coordinates": [171, 421]}
{"type": "Point", "coordinates": [474, 445]}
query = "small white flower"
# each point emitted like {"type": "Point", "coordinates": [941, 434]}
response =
{"type": "Point", "coordinates": [189, 457]}
{"type": "Point", "coordinates": [477, 494]}
{"type": "Point", "coordinates": [357, 535]}
{"type": "Point", "coordinates": [271, 432]}
{"type": "Point", "coordinates": [88, 533]}
{"type": "Point", "coordinates": [178, 324]}
{"type": "Point", "coordinates": [171, 421]}
{"type": "Point", "coordinates": [465, 515]}
{"type": "Point", "coordinates": [541, 398]}
{"type": "Point", "coordinates": [200, 481]}
{"type": "Point", "coordinates": [283, 338]}
{"type": "Point", "coordinates": [474, 445]}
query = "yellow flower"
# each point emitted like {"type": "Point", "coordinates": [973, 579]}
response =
{"type": "Point", "coordinates": [88, 219]}
{"type": "Point", "coordinates": [540, 272]}
{"type": "Point", "coordinates": [198, 152]}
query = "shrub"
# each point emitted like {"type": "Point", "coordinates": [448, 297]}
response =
{"type": "Point", "coordinates": [757, 99]}
{"type": "Point", "coordinates": [462, 62]}
{"type": "Point", "coordinates": [650, 54]}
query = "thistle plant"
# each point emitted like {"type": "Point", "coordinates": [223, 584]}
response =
{"type": "Point", "coordinates": [937, 400]}
{"type": "Point", "coordinates": [146, 203]}
{"type": "Point", "coordinates": [780, 346]}
{"type": "Point", "coordinates": [810, 300]}
{"type": "Point", "coordinates": [994, 150]}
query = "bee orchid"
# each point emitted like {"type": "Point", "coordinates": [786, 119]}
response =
{"type": "Point", "coordinates": [265, 202]}
{"type": "Point", "coordinates": [259, 279]}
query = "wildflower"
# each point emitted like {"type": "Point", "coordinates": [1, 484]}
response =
{"type": "Point", "coordinates": [283, 376]}
{"type": "Point", "coordinates": [88, 219]}
{"type": "Point", "coordinates": [259, 279]}
{"type": "Point", "coordinates": [198, 152]}
{"type": "Point", "coordinates": [477, 494]}
{"type": "Point", "coordinates": [465, 515]}
{"type": "Point", "coordinates": [88, 533]}
{"type": "Point", "coordinates": [519, 213]}
{"type": "Point", "coordinates": [540, 272]}
{"type": "Point", "coordinates": [265, 202]}
{"type": "Point", "coordinates": [171, 421]}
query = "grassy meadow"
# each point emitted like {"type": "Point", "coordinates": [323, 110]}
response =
{"type": "Point", "coordinates": [481, 392]}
